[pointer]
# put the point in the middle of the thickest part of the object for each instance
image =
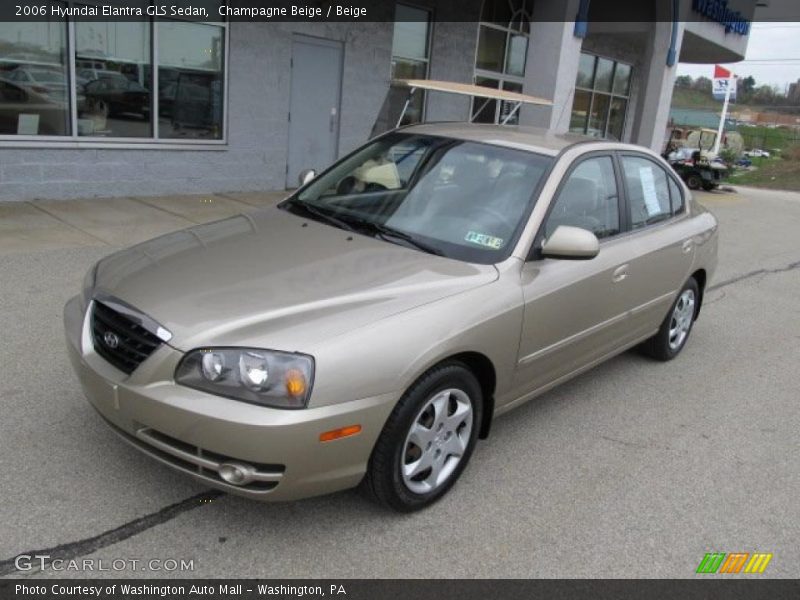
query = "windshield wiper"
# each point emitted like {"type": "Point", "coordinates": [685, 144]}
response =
{"type": "Point", "coordinates": [384, 232]}
{"type": "Point", "coordinates": [321, 215]}
{"type": "Point", "coordinates": [361, 225]}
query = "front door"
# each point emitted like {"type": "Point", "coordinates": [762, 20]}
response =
{"type": "Point", "coordinates": [575, 310]}
{"type": "Point", "coordinates": [313, 105]}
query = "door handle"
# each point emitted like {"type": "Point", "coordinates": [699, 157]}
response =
{"type": "Point", "coordinates": [687, 246]}
{"type": "Point", "coordinates": [333, 119]}
{"type": "Point", "coordinates": [620, 273]}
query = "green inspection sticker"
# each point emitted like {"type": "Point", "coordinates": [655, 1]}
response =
{"type": "Point", "coordinates": [483, 239]}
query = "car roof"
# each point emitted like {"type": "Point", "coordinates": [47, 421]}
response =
{"type": "Point", "coordinates": [533, 139]}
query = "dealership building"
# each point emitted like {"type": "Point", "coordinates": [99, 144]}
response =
{"type": "Point", "coordinates": [172, 106]}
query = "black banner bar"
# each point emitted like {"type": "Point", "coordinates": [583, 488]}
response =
{"type": "Point", "coordinates": [736, 17]}
{"type": "Point", "coordinates": [414, 589]}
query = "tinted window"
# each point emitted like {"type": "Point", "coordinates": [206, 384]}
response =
{"type": "Point", "coordinates": [589, 199]}
{"type": "Point", "coordinates": [648, 191]}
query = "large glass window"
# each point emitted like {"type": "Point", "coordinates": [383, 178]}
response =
{"type": "Point", "coordinates": [502, 51]}
{"type": "Point", "coordinates": [34, 75]}
{"type": "Point", "coordinates": [190, 80]}
{"type": "Point", "coordinates": [113, 69]}
{"type": "Point", "coordinates": [161, 79]}
{"type": "Point", "coordinates": [602, 92]}
{"type": "Point", "coordinates": [411, 55]}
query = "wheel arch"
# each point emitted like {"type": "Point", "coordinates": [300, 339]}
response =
{"type": "Point", "coordinates": [484, 371]}
{"type": "Point", "coordinates": [700, 276]}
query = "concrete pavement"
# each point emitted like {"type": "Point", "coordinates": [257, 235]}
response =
{"type": "Point", "coordinates": [53, 224]}
{"type": "Point", "coordinates": [635, 469]}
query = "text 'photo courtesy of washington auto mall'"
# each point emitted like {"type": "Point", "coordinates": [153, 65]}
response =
{"type": "Point", "coordinates": [425, 298]}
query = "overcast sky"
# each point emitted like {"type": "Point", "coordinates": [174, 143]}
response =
{"type": "Point", "coordinates": [773, 56]}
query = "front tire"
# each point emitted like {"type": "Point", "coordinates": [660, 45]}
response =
{"type": "Point", "coordinates": [676, 327]}
{"type": "Point", "coordinates": [427, 440]}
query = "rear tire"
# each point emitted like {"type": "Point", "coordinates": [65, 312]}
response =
{"type": "Point", "coordinates": [427, 440]}
{"type": "Point", "coordinates": [677, 325]}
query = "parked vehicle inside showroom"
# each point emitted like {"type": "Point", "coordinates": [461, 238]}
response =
{"type": "Point", "coordinates": [367, 330]}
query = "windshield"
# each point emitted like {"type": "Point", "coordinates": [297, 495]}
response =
{"type": "Point", "coordinates": [461, 199]}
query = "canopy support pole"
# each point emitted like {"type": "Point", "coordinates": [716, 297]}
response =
{"type": "Point", "coordinates": [406, 105]}
{"type": "Point", "coordinates": [480, 110]}
{"type": "Point", "coordinates": [511, 114]}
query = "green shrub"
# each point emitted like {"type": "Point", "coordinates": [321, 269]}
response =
{"type": "Point", "coordinates": [728, 156]}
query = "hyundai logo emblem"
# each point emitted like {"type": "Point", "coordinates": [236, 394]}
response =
{"type": "Point", "coordinates": [111, 339]}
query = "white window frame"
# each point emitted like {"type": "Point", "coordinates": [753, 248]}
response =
{"type": "Point", "coordinates": [593, 92]}
{"type": "Point", "coordinates": [428, 45]}
{"type": "Point", "coordinates": [499, 76]}
{"type": "Point", "coordinates": [153, 142]}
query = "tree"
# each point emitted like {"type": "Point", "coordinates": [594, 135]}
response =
{"type": "Point", "coordinates": [748, 84]}
{"type": "Point", "coordinates": [683, 81]}
{"type": "Point", "coordinates": [744, 88]}
{"type": "Point", "coordinates": [764, 95]}
{"type": "Point", "coordinates": [702, 84]}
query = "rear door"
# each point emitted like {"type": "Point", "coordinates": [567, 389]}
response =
{"type": "Point", "coordinates": [660, 246]}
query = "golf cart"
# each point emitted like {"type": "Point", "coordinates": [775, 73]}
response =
{"type": "Point", "coordinates": [695, 164]}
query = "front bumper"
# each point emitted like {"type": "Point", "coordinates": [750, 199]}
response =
{"type": "Point", "coordinates": [195, 432]}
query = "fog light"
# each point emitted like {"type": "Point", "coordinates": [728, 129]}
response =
{"type": "Point", "coordinates": [236, 474]}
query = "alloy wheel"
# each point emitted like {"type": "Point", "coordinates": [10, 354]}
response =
{"type": "Point", "coordinates": [681, 320]}
{"type": "Point", "coordinates": [437, 440]}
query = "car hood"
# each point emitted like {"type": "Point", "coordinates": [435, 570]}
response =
{"type": "Point", "coordinates": [273, 279]}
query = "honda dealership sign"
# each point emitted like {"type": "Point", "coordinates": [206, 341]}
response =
{"type": "Point", "coordinates": [722, 79]}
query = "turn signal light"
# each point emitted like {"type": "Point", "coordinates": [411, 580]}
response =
{"type": "Point", "coordinates": [335, 434]}
{"type": "Point", "coordinates": [295, 383]}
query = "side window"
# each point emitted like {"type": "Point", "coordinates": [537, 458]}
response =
{"type": "Point", "coordinates": [648, 191]}
{"type": "Point", "coordinates": [675, 196]}
{"type": "Point", "coordinates": [589, 199]}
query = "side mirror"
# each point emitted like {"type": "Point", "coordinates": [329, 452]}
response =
{"type": "Point", "coordinates": [305, 176]}
{"type": "Point", "coordinates": [571, 243]}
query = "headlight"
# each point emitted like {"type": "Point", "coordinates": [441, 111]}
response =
{"type": "Point", "coordinates": [88, 283]}
{"type": "Point", "coordinates": [266, 377]}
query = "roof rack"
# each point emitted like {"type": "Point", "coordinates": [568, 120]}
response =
{"type": "Point", "coordinates": [465, 89]}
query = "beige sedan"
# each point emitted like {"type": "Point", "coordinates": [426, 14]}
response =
{"type": "Point", "coordinates": [368, 329]}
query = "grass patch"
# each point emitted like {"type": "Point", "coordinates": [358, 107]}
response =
{"type": "Point", "coordinates": [768, 138]}
{"type": "Point", "coordinates": [772, 173]}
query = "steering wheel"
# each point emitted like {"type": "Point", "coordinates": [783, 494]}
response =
{"type": "Point", "coordinates": [496, 216]}
{"type": "Point", "coordinates": [346, 186]}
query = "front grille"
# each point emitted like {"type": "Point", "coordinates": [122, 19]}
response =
{"type": "Point", "coordinates": [119, 340]}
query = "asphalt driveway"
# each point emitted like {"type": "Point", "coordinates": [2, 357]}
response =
{"type": "Point", "coordinates": [635, 469]}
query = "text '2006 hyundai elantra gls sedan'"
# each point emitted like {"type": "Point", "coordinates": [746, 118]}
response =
{"type": "Point", "coordinates": [368, 329]}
